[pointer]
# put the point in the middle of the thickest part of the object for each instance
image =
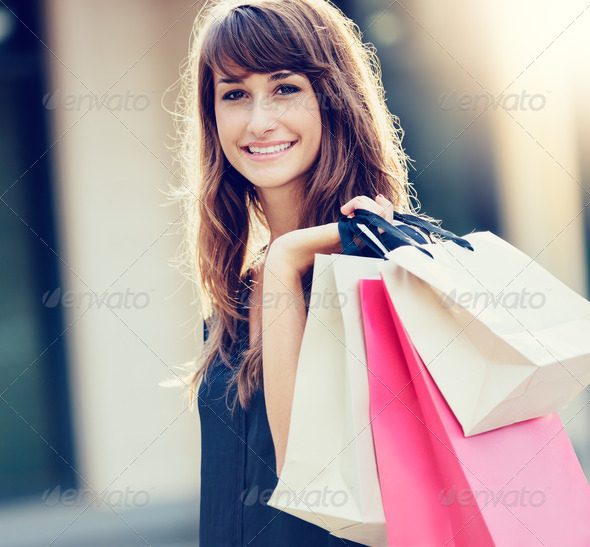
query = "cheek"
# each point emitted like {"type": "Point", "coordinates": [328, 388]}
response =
{"type": "Point", "coordinates": [313, 122]}
{"type": "Point", "coordinates": [313, 129]}
{"type": "Point", "coordinates": [226, 129]}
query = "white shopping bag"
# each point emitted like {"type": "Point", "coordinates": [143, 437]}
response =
{"type": "Point", "coordinates": [329, 477]}
{"type": "Point", "coordinates": [503, 339]}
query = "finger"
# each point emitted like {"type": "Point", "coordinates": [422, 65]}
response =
{"type": "Point", "coordinates": [349, 207]}
{"type": "Point", "coordinates": [386, 207]}
{"type": "Point", "coordinates": [380, 206]}
{"type": "Point", "coordinates": [359, 202]}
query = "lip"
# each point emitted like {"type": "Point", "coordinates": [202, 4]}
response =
{"type": "Point", "coordinates": [271, 156]}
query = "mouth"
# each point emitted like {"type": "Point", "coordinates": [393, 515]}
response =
{"type": "Point", "coordinates": [271, 152]}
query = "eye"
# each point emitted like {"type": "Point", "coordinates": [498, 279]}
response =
{"type": "Point", "coordinates": [227, 96]}
{"type": "Point", "coordinates": [289, 89]}
{"type": "Point", "coordinates": [285, 89]}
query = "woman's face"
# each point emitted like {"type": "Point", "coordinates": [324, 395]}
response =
{"type": "Point", "coordinates": [262, 112]}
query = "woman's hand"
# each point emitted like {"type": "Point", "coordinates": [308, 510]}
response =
{"type": "Point", "coordinates": [283, 319]}
{"type": "Point", "coordinates": [380, 206]}
{"type": "Point", "coordinates": [298, 248]}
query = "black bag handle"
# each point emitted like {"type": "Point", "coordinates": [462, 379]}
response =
{"type": "Point", "coordinates": [418, 222]}
{"type": "Point", "coordinates": [365, 225]}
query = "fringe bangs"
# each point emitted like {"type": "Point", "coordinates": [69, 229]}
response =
{"type": "Point", "coordinates": [260, 41]}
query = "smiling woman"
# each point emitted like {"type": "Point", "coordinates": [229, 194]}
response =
{"type": "Point", "coordinates": [288, 135]}
{"type": "Point", "coordinates": [282, 129]}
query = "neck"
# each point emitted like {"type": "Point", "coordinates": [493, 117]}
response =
{"type": "Point", "coordinates": [280, 209]}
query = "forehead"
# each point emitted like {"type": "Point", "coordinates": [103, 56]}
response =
{"type": "Point", "coordinates": [238, 77]}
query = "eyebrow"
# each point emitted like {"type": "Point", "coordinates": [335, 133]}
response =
{"type": "Point", "coordinates": [271, 78]}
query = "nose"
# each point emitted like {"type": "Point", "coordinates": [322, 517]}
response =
{"type": "Point", "coordinates": [262, 116]}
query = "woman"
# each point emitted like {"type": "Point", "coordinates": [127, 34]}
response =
{"type": "Point", "coordinates": [283, 129]}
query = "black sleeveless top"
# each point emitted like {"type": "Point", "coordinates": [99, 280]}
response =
{"type": "Point", "coordinates": [238, 471]}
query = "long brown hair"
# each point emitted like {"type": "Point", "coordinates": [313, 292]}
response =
{"type": "Point", "coordinates": [361, 153]}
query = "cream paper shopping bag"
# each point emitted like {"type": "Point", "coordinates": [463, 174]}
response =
{"type": "Point", "coordinates": [503, 339]}
{"type": "Point", "coordinates": [329, 477]}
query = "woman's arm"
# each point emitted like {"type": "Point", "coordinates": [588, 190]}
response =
{"type": "Point", "coordinates": [283, 312]}
{"type": "Point", "coordinates": [283, 321]}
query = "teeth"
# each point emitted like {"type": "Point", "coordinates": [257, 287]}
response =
{"type": "Point", "coordinates": [271, 149]}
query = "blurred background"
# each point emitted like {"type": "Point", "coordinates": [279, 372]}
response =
{"type": "Point", "coordinates": [493, 100]}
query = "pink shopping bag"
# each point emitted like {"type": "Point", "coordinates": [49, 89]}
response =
{"type": "Point", "coordinates": [409, 474]}
{"type": "Point", "coordinates": [519, 485]}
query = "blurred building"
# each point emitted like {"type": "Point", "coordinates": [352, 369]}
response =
{"type": "Point", "coordinates": [93, 317]}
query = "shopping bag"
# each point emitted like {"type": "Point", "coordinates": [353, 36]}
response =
{"type": "Point", "coordinates": [329, 476]}
{"type": "Point", "coordinates": [524, 480]}
{"type": "Point", "coordinates": [504, 340]}
{"type": "Point", "coordinates": [410, 478]}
